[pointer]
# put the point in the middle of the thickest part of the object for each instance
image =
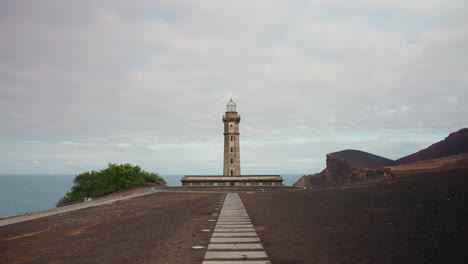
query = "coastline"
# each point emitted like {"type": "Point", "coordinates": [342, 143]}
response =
{"type": "Point", "coordinates": [421, 218]}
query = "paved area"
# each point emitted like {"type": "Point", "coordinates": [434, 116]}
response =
{"type": "Point", "coordinates": [234, 240]}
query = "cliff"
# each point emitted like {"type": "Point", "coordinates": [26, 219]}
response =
{"type": "Point", "coordinates": [340, 171]}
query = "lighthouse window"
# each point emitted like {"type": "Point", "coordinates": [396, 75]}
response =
{"type": "Point", "coordinates": [231, 127]}
{"type": "Point", "coordinates": [232, 149]}
{"type": "Point", "coordinates": [232, 172]}
{"type": "Point", "coordinates": [232, 161]}
{"type": "Point", "coordinates": [231, 138]}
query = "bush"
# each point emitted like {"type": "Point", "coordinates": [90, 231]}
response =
{"type": "Point", "coordinates": [115, 177]}
{"type": "Point", "coordinates": [153, 177]}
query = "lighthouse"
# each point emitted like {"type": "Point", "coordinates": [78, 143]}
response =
{"type": "Point", "coordinates": [231, 120]}
{"type": "Point", "coordinates": [231, 170]}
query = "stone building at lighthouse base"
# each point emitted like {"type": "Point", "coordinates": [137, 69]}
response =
{"type": "Point", "coordinates": [239, 180]}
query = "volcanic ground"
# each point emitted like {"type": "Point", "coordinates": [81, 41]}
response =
{"type": "Point", "coordinates": [418, 219]}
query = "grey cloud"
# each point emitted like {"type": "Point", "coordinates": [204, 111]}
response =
{"type": "Point", "coordinates": [148, 81]}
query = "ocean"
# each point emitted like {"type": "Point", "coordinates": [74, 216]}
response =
{"type": "Point", "coordinates": [23, 193]}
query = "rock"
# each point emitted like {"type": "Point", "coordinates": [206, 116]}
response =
{"type": "Point", "coordinates": [341, 172]}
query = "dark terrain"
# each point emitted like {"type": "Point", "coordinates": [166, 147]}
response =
{"type": "Point", "coordinates": [417, 219]}
{"type": "Point", "coordinates": [422, 218]}
{"type": "Point", "coordinates": [155, 228]}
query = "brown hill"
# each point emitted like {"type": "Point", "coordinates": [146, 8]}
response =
{"type": "Point", "coordinates": [349, 166]}
{"type": "Point", "coordinates": [340, 171]}
{"type": "Point", "coordinates": [459, 161]}
{"type": "Point", "coordinates": [363, 159]}
{"type": "Point", "coordinates": [455, 143]}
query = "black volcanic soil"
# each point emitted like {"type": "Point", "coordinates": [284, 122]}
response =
{"type": "Point", "coordinates": [417, 219]}
{"type": "Point", "coordinates": [421, 219]}
{"type": "Point", "coordinates": [155, 228]}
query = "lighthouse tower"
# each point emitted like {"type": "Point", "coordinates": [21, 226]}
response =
{"type": "Point", "coordinates": [231, 122]}
{"type": "Point", "coordinates": [231, 170]}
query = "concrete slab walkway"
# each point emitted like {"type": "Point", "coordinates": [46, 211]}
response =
{"type": "Point", "coordinates": [234, 240]}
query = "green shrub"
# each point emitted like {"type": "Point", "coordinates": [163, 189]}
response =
{"type": "Point", "coordinates": [115, 177]}
{"type": "Point", "coordinates": [153, 177]}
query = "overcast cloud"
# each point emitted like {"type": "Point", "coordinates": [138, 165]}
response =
{"type": "Point", "coordinates": [84, 83]}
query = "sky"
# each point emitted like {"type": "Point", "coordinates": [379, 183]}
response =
{"type": "Point", "coordinates": [87, 83]}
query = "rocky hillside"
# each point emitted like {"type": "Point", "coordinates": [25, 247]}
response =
{"type": "Point", "coordinates": [455, 143]}
{"type": "Point", "coordinates": [363, 159]}
{"type": "Point", "coordinates": [350, 166]}
{"type": "Point", "coordinates": [339, 171]}
{"type": "Point", "coordinates": [452, 162]}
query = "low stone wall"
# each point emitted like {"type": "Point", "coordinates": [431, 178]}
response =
{"type": "Point", "coordinates": [248, 180]}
